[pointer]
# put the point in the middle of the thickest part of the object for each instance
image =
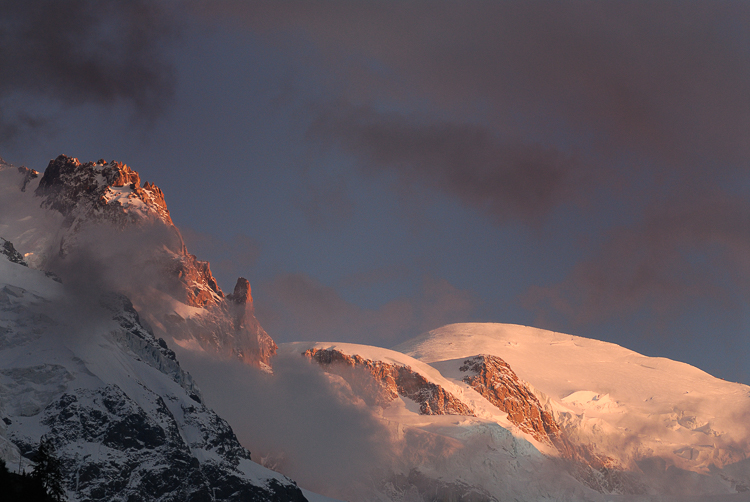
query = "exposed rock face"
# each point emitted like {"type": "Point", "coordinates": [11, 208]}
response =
{"type": "Point", "coordinates": [497, 382]}
{"type": "Point", "coordinates": [99, 188]}
{"type": "Point", "coordinates": [380, 383]}
{"type": "Point", "coordinates": [198, 288]}
{"type": "Point", "coordinates": [242, 294]}
{"type": "Point", "coordinates": [7, 249]}
{"type": "Point", "coordinates": [109, 193]}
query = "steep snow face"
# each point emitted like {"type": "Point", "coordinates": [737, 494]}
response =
{"type": "Point", "coordinates": [97, 218]}
{"type": "Point", "coordinates": [124, 418]}
{"type": "Point", "coordinates": [648, 413]}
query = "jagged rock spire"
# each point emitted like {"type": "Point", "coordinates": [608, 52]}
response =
{"type": "Point", "coordinates": [242, 293]}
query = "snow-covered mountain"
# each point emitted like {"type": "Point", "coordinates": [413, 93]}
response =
{"type": "Point", "coordinates": [631, 407]}
{"type": "Point", "coordinates": [99, 296]}
{"type": "Point", "coordinates": [82, 370]}
{"type": "Point", "coordinates": [124, 418]}
{"type": "Point", "coordinates": [537, 415]}
{"type": "Point", "coordinates": [447, 438]}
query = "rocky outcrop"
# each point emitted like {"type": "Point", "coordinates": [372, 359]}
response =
{"type": "Point", "coordinates": [9, 251]}
{"type": "Point", "coordinates": [379, 383]}
{"type": "Point", "coordinates": [242, 294]}
{"type": "Point", "coordinates": [497, 382]}
{"type": "Point", "coordinates": [99, 189]}
{"type": "Point", "coordinates": [196, 284]}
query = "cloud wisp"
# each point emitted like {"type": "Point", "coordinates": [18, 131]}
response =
{"type": "Point", "coordinates": [507, 180]}
{"type": "Point", "coordinates": [298, 307]}
{"type": "Point", "coordinates": [683, 252]}
{"type": "Point", "coordinates": [296, 421]}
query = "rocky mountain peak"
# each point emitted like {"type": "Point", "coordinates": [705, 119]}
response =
{"type": "Point", "coordinates": [110, 194]}
{"type": "Point", "coordinates": [100, 188]}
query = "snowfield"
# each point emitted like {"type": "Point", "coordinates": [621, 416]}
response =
{"type": "Point", "coordinates": [668, 430]}
{"type": "Point", "coordinates": [632, 406]}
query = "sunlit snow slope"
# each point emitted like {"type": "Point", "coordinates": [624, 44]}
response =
{"type": "Point", "coordinates": [447, 440]}
{"type": "Point", "coordinates": [630, 406]}
{"type": "Point", "coordinates": [512, 412]}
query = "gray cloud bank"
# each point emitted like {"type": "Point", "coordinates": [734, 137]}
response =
{"type": "Point", "coordinates": [636, 111]}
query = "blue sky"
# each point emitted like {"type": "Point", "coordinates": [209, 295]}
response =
{"type": "Point", "coordinates": [377, 169]}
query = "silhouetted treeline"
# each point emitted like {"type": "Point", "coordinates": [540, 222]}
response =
{"type": "Point", "coordinates": [21, 487]}
{"type": "Point", "coordinates": [44, 484]}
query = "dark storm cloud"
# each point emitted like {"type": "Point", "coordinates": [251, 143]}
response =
{"type": "Point", "coordinates": [507, 180]}
{"type": "Point", "coordinates": [81, 51]}
{"type": "Point", "coordinates": [668, 78]}
{"type": "Point", "coordinates": [519, 108]}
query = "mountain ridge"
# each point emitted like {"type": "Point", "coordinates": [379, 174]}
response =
{"type": "Point", "coordinates": [473, 411]}
{"type": "Point", "coordinates": [104, 205]}
{"type": "Point", "coordinates": [602, 417]}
